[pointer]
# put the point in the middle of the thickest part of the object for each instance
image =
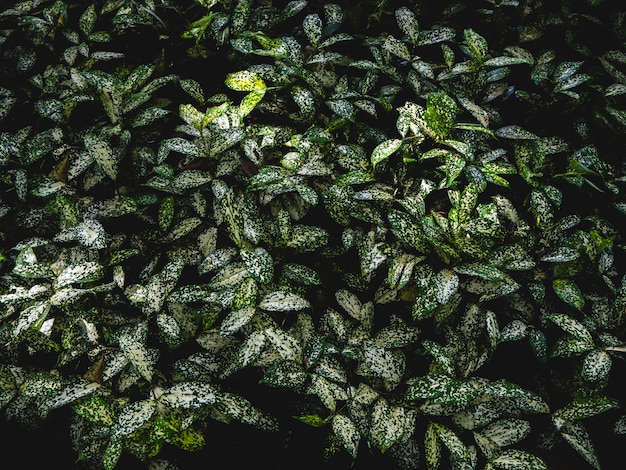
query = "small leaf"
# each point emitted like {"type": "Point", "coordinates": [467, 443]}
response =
{"type": "Point", "coordinates": [408, 24]}
{"type": "Point", "coordinates": [596, 366]}
{"type": "Point", "coordinates": [281, 301]}
{"type": "Point", "coordinates": [569, 293]}
{"type": "Point", "coordinates": [383, 150]}
{"type": "Point", "coordinates": [347, 433]}
{"type": "Point", "coordinates": [514, 459]}
{"type": "Point", "coordinates": [259, 263]}
{"type": "Point", "coordinates": [476, 43]}
{"type": "Point", "coordinates": [189, 395]}
{"type": "Point", "coordinates": [515, 132]}
{"type": "Point", "coordinates": [245, 80]}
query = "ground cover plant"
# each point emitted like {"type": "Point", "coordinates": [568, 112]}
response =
{"type": "Point", "coordinates": [308, 231]}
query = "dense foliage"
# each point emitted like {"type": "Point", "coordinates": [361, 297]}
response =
{"type": "Point", "coordinates": [393, 224]}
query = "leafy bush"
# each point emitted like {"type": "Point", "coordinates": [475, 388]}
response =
{"type": "Point", "coordinates": [391, 224]}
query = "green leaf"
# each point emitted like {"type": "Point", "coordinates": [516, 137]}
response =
{"type": "Point", "coordinates": [166, 213]}
{"type": "Point", "coordinates": [596, 366]}
{"type": "Point", "coordinates": [440, 114]}
{"type": "Point", "coordinates": [68, 394]}
{"type": "Point", "coordinates": [573, 327]}
{"type": "Point", "coordinates": [514, 459]}
{"type": "Point", "coordinates": [586, 408]}
{"type": "Point", "coordinates": [453, 442]}
{"type": "Point", "coordinates": [245, 80]}
{"type": "Point", "coordinates": [408, 23]}
{"type": "Point", "coordinates": [87, 20]}
{"type": "Point", "coordinates": [189, 395]}
{"type": "Point", "coordinates": [132, 416]}
{"type": "Point", "coordinates": [507, 431]}
{"type": "Point", "coordinates": [347, 433]}
{"type": "Point", "coordinates": [383, 150]}
{"type": "Point", "coordinates": [312, 24]}
{"type": "Point", "coordinates": [515, 132]}
{"type": "Point", "coordinates": [477, 44]}
{"type": "Point", "coordinates": [446, 285]}
{"type": "Point", "coordinates": [259, 263]}
{"type": "Point", "coordinates": [138, 355]}
{"type": "Point", "coordinates": [569, 293]}
{"type": "Point", "coordinates": [101, 152]}
{"type": "Point", "coordinates": [281, 301]}
{"type": "Point", "coordinates": [432, 447]}
{"type": "Point", "coordinates": [577, 436]}
{"type": "Point", "coordinates": [390, 424]}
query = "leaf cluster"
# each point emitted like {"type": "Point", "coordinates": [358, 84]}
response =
{"type": "Point", "coordinates": [406, 215]}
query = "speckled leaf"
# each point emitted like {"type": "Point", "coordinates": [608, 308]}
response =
{"type": "Point", "coordinates": [166, 213]}
{"type": "Point", "coordinates": [189, 395]}
{"type": "Point", "coordinates": [515, 132]}
{"type": "Point", "coordinates": [245, 80]}
{"type": "Point", "coordinates": [596, 366]}
{"type": "Point", "coordinates": [505, 61]}
{"type": "Point", "coordinates": [259, 264]}
{"type": "Point", "coordinates": [68, 394]}
{"type": "Point", "coordinates": [236, 319]}
{"type": "Point", "coordinates": [289, 374]}
{"type": "Point", "coordinates": [575, 433]}
{"type": "Point", "coordinates": [100, 150]}
{"type": "Point", "coordinates": [89, 233]}
{"type": "Point", "coordinates": [304, 98]}
{"type": "Point", "coordinates": [476, 43]}
{"type": "Point", "coordinates": [584, 408]}
{"type": "Point", "coordinates": [217, 259]}
{"type": "Point", "coordinates": [347, 432]}
{"type": "Point", "coordinates": [440, 114]}
{"type": "Point", "coordinates": [572, 326]}
{"type": "Point", "coordinates": [390, 424]}
{"type": "Point", "coordinates": [301, 274]}
{"type": "Point", "coordinates": [383, 150]}
{"type": "Point", "coordinates": [408, 24]}
{"type": "Point", "coordinates": [285, 345]}
{"type": "Point", "coordinates": [87, 20]}
{"type": "Point", "coordinates": [182, 228]}
{"type": "Point", "coordinates": [569, 293]}
{"type": "Point", "coordinates": [138, 355]}
{"type": "Point", "coordinates": [193, 89]}
{"type": "Point", "coordinates": [31, 315]}
{"type": "Point", "coordinates": [441, 389]}
{"type": "Point", "coordinates": [312, 24]}
{"type": "Point", "coordinates": [79, 273]}
{"type": "Point", "coordinates": [396, 47]}
{"type": "Point", "coordinates": [350, 303]}
{"type": "Point", "coordinates": [251, 348]}
{"type": "Point", "coordinates": [453, 442]}
{"type": "Point", "coordinates": [342, 108]}
{"type": "Point", "coordinates": [382, 362]}
{"type": "Point", "coordinates": [514, 459]}
{"type": "Point", "coordinates": [441, 356]}
{"type": "Point", "coordinates": [525, 399]}
{"type": "Point", "coordinates": [446, 284]}
{"type": "Point", "coordinates": [514, 331]}
{"type": "Point", "coordinates": [183, 146]}
{"type": "Point", "coordinates": [281, 301]}
{"type": "Point", "coordinates": [112, 453]}
{"type": "Point", "coordinates": [133, 416]}
{"type": "Point", "coordinates": [561, 255]}
{"type": "Point", "coordinates": [507, 431]}
{"type": "Point", "coordinates": [434, 36]}
{"type": "Point", "coordinates": [432, 447]}
{"type": "Point", "coordinates": [95, 410]}
{"type": "Point", "coordinates": [27, 265]}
